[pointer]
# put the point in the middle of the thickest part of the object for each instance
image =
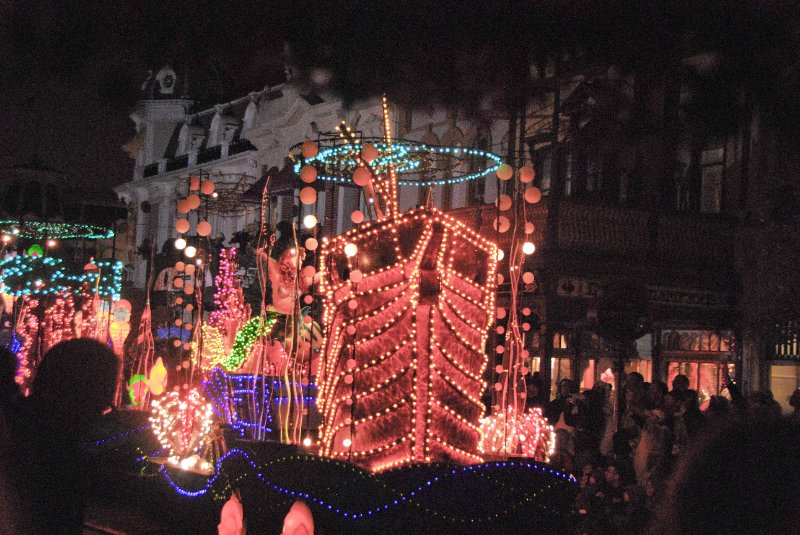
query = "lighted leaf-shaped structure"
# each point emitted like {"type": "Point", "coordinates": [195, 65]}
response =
{"type": "Point", "coordinates": [408, 303]}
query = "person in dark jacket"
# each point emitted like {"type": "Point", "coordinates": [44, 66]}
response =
{"type": "Point", "coordinates": [73, 386]}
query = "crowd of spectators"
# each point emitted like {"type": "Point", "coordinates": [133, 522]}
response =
{"type": "Point", "coordinates": [627, 467]}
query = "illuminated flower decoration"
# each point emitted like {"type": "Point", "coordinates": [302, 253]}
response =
{"type": "Point", "coordinates": [213, 350]}
{"type": "Point", "coordinates": [181, 422]}
{"type": "Point", "coordinates": [158, 378]}
{"type": "Point", "coordinates": [528, 434]}
{"type": "Point", "coordinates": [137, 389]}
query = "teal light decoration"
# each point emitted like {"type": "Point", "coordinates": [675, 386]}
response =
{"type": "Point", "coordinates": [337, 163]}
{"type": "Point", "coordinates": [55, 231]}
{"type": "Point", "coordinates": [46, 275]}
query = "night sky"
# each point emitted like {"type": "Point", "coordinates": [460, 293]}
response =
{"type": "Point", "coordinates": [71, 70]}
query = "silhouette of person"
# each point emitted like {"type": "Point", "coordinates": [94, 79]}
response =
{"type": "Point", "coordinates": [73, 386]}
{"type": "Point", "coordinates": [741, 477]}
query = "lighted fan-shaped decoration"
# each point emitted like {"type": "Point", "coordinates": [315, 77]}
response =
{"type": "Point", "coordinates": [181, 423]}
{"type": "Point", "coordinates": [527, 434]}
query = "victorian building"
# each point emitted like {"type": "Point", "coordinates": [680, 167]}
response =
{"type": "Point", "coordinates": [633, 192]}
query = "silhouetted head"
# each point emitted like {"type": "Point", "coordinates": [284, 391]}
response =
{"type": "Point", "coordinates": [76, 380]}
{"type": "Point", "coordinates": [680, 383]}
{"type": "Point", "coordinates": [741, 478]}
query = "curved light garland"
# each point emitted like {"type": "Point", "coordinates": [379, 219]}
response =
{"type": "Point", "coordinates": [54, 231]}
{"type": "Point", "coordinates": [405, 157]}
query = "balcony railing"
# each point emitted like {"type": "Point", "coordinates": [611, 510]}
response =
{"type": "Point", "coordinates": [179, 162]}
{"type": "Point", "coordinates": [618, 231]}
{"type": "Point", "coordinates": [150, 170]}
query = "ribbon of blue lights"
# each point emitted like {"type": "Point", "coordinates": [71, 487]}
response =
{"type": "Point", "coordinates": [363, 514]}
{"type": "Point", "coordinates": [114, 438]}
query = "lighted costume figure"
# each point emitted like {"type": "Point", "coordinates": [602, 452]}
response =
{"type": "Point", "coordinates": [120, 325]}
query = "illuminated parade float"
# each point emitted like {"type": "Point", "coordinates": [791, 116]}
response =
{"type": "Point", "coordinates": [367, 363]}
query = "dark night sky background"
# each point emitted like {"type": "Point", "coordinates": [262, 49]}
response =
{"type": "Point", "coordinates": [71, 69]}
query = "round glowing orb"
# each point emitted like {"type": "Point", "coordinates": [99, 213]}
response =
{"type": "Point", "coordinates": [308, 195]}
{"type": "Point", "coordinates": [351, 249]}
{"type": "Point", "coordinates": [527, 174]}
{"type": "Point", "coordinates": [180, 244]}
{"type": "Point", "coordinates": [190, 251]}
{"type": "Point", "coordinates": [503, 202]}
{"type": "Point", "coordinates": [501, 224]}
{"type": "Point", "coordinates": [194, 201]}
{"type": "Point", "coordinates": [347, 443]}
{"type": "Point", "coordinates": [527, 278]}
{"type": "Point", "coordinates": [533, 195]}
{"type": "Point", "coordinates": [203, 228]}
{"type": "Point", "coordinates": [369, 152]}
{"type": "Point", "coordinates": [194, 183]}
{"type": "Point", "coordinates": [357, 217]}
{"type": "Point", "coordinates": [309, 149]}
{"type": "Point", "coordinates": [183, 206]}
{"type": "Point", "coordinates": [310, 221]}
{"type": "Point", "coordinates": [307, 442]}
{"type": "Point", "coordinates": [312, 244]}
{"type": "Point", "coordinates": [361, 176]}
{"type": "Point", "coordinates": [308, 174]}
{"type": "Point", "coordinates": [182, 225]}
{"type": "Point", "coordinates": [505, 171]}
{"type": "Point", "coordinates": [529, 228]}
{"type": "Point", "coordinates": [528, 247]}
{"type": "Point", "coordinates": [207, 187]}
{"type": "Point", "coordinates": [500, 255]}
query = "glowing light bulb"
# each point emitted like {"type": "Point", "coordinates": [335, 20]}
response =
{"type": "Point", "coordinates": [310, 221]}
{"type": "Point", "coordinates": [500, 255]}
{"type": "Point", "coordinates": [307, 442]}
{"type": "Point", "coordinates": [6, 238]}
{"type": "Point", "coordinates": [190, 251]}
{"type": "Point", "coordinates": [51, 243]}
{"type": "Point", "coordinates": [350, 249]}
{"type": "Point", "coordinates": [347, 443]}
{"type": "Point", "coordinates": [528, 247]}
{"type": "Point", "coordinates": [180, 244]}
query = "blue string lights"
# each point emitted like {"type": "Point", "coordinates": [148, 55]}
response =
{"type": "Point", "coordinates": [415, 163]}
{"type": "Point", "coordinates": [245, 401]}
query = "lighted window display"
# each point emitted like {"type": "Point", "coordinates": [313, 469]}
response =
{"type": "Point", "coordinates": [602, 369]}
{"type": "Point", "coordinates": [704, 377]}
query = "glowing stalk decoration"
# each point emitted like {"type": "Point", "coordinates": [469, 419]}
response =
{"type": "Point", "coordinates": [231, 310]}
